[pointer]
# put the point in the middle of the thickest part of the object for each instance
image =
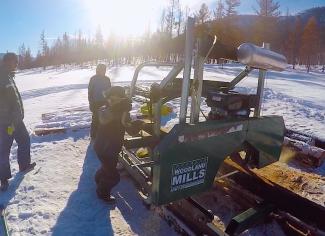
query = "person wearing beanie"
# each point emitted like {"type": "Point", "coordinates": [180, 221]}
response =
{"type": "Point", "coordinates": [12, 126]}
{"type": "Point", "coordinates": [114, 120]}
{"type": "Point", "coordinates": [97, 85]}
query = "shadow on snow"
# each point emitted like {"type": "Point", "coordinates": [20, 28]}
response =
{"type": "Point", "coordinates": [85, 214]}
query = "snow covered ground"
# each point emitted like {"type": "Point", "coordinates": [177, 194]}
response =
{"type": "Point", "coordinates": [58, 197]}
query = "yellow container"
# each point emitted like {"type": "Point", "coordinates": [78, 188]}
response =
{"type": "Point", "coordinates": [165, 110]}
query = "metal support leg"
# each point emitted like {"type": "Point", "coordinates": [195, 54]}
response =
{"type": "Point", "coordinates": [196, 90]}
{"type": "Point", "coordinates": [260, 92]}
{"type": "Point", "coordinates": [187, 69]}
{"type": "Point", "coordinates": [157, 115]}
{"type": "Point", "coordinates": [260, 86]}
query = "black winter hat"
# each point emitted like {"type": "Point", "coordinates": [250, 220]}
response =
{"type": "Point", "coordinates": [116, 91]}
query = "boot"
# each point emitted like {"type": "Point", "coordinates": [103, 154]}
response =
{"type": "Point", "coordinates": [4, 185]}
{"type": "Point", "coordinates": [106, 197]}
{"type": "Point", "coordinates": [28, 168]}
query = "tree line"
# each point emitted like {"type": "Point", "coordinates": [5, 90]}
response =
{"type": "Point", "coordinates": [301, 37]}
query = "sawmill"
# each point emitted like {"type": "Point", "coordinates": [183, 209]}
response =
{"type": "Point", "coordinates": [189, 171]}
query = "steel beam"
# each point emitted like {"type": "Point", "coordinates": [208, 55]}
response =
{"type": "Point", "coordinates": [139, 68]}
{"type": "Point", "coordinates": [171, 75]}
{"type": "Point", "coordinates": [239, 78]}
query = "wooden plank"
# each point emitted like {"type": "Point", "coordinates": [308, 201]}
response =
{"type": "Point", "coordinates": [47, 131]}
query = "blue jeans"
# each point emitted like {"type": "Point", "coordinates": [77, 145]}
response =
{"type": "Point", "coordinates": [23, 154]}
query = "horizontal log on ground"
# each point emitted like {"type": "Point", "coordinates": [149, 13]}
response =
{"type": "Point", "coordinates": [48, 131]}
{"type": "Point", "coordinates": [284, 199]}
{"type": "Point", "coordinates": [311, 155]}
{"type": "Point", "coordinates": [294, 225]}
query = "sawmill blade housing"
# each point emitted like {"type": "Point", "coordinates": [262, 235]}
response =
{"type": "Point", "coordinates": [184, 160]}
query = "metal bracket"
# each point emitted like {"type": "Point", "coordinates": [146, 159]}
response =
{"type": "Point", "coordinates": [239, 77]}
{"type": "Point", "coordinates": [248, 218]}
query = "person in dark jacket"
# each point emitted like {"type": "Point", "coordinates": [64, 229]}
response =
{"type": "Point", "coordinates": [12, 126]}
{"type": "Point", "coordinates": [97, 85]}
{"type": "Point", "coordinates": [114, 120]}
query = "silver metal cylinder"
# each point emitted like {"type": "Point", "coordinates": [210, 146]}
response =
{"type": "Point", "coordinates": [261, 58]}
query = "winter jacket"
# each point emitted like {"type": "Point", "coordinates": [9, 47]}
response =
{"type": "Point", "coordinates": [97, 85]}
{"type": "Point", "coordinates": [110, 133]}
{"type": "Point", "coordinates": [11, 105]}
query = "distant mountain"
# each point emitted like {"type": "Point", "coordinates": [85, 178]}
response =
{"type": "Point", "coordinates": [244, 21]}
{"type": "Point", "coordinates": [317, 12]}
{"type": "Point", "coordinates": [247, 28]}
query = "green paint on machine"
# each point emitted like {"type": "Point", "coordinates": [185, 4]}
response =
{"type": "Point", "coordinates": [187, 159]}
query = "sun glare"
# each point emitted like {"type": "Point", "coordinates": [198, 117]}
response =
{"type": "Point", "coordinates": [123, 17]}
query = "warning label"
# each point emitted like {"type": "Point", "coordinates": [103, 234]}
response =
{"type": "Point", "coordinates": [194, 137]}
{"type": "Point", "coordinates": [188, 174]}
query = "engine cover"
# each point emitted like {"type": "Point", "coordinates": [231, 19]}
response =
{"type": "Point", "coordinates": [230, 104]}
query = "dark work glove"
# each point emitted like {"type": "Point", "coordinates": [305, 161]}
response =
{"type": "Point", "coordinates": [135, 127]}
{"type": "Point", "coordinates": [123, 106]}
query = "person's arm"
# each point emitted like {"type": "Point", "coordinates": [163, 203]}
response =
{"type": "Point", "coordinates": [126, 120]}
{"type": "Point", "coordinates": [109, 82]}
{"type": "Point", "coordinates": [105, 116]}
{"type": "Point", "coordinates": [105, 103]}
{"type": "Point", "coordinates": [15, 114]}
{"type": "Point", "coordinates": [132, 127]}
{"type": "Point", "coordinates": [11, 99]}
{"type": "Point", "coordinates": [90, 94]}
{"type": "Point", "coordinates": [3, 89]}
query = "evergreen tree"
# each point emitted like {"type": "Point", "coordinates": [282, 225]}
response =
{"type": "Point", "coordinates": [310, 43]}
{"type": "Point", "coordinates": [203, 14]}
{"type": "Point", "coordinates": [99, 39]}
{"type": "Point", "coordinates": [294, 42]}
{"type": "Point", "coordinates": [21, 52]}
{"type": "Point", "coordinates": [28, 60]}
{"type": "Point", "coordinates": [170, 18]}
{"type": "Point", "coordinates": [267, 8]}
{"type": "Point", "coordinates": [266, 25]}
{"type": "Point", "coordinates": [231, 6]}
{"type": "Point", "coordinates": [57, 52]}
{"type": "Point", "coordinates": [162, 26]}
{"type": "Point", "coordinates": [45, 51]}
{"type": "Point", "coordinates": [219, 11]}
{"type": "Point", "coordinates": [66, 48]}
{"type": "Point", "coordinates": [180, 17]}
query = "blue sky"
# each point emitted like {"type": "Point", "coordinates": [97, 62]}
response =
{"type": "Point", "coordinates": [21, 21]}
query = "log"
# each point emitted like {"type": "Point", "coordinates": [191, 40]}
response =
{"type": "Point", "coordinates": [292, 223]}
{"type": "Point", "coordinates": [310, 155]}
